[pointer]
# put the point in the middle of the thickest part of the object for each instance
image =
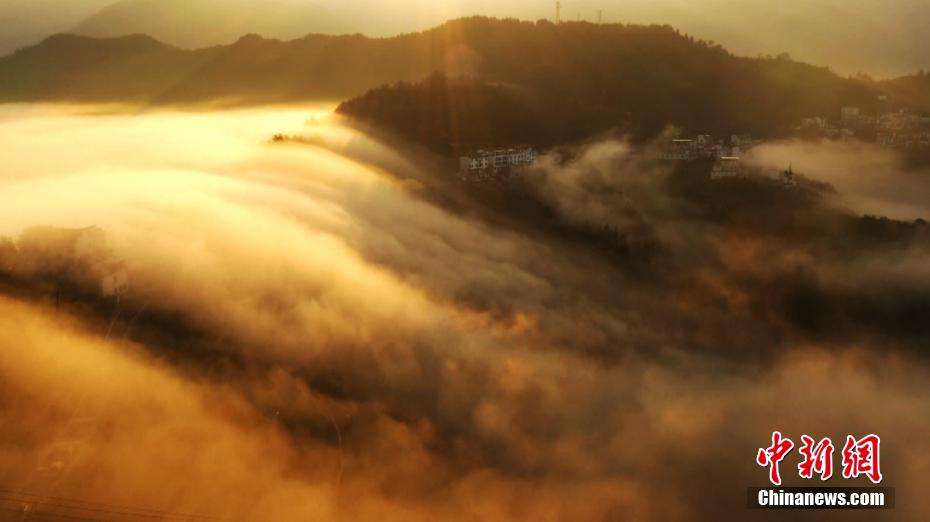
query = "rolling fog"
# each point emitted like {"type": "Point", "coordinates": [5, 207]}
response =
{"type": "Point", "coordinates": [310, 337]}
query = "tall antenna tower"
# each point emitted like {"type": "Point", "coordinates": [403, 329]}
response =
{"type": "Point", "coordinates": [558, 12]}
{"type": "Point", "coordinates": [600, 16]}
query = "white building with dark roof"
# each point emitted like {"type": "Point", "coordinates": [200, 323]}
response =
{"type": "Point", "coordinates": [499, 159]}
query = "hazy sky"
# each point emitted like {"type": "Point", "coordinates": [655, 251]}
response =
{"type": "Point", "coordinates": [880, 37]}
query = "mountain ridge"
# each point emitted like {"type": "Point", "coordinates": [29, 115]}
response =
{"type": "Point", "coordinates": [586, 71]}
{"type": "Point", "coordinates": [196, 24]}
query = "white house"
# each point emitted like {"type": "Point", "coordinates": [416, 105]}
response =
{"type": "Point", "coordinates": [680, 150]}
{"type": "Point", "coordinates": [499, 158]}
{"type": "Point", "coordinates": [727, 167]}
{"type": "Point", "coordinates": [849, 114]}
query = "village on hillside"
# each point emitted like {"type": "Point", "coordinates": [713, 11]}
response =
{"type": "Point", "coordinates": [901, 129]}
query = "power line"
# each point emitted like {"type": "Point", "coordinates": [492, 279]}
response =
{"type": "Point", "coordinates": [72, 507]}
{"type": "Point", "coordinates": [102, 507]}
{"type": "Point", "coordinates": [54, 516]}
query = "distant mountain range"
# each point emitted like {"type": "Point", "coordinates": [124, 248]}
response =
{"type": "Point", "coordinates": [203, 23]}
{"type": "Point", "coordinates": [253, 70]}
{"type": "Point", "coordinates": [27, 22]}
{"type": "Point", "coordinates": [593, 76]}
{"type": "Point", "coordinates": [191, 24]}
{"type": "Point", "coordinates": [884, 38]}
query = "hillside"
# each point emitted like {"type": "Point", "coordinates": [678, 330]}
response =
{"type": "Point", "coordinates": [452, 115]}
{"type": "Point", "coordinates": [911, 91]}
{"type": "Point", "coordinates": [71, 68]}
{"type": "Point", "coordinates": [575, 80]}
{"type": "Point", "coordinates": [594, 76]}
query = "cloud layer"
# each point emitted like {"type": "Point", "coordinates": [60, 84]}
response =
{"type": "Point", "coordinates": [309, 336]}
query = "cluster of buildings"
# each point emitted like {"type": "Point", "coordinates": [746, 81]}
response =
{"type": "Point", "coordinates": [726, 155]}
{"type": "Point", "coordinates": [900, 128]}
{"type": "Point", "coordinates": [852, 123]}
{"type": "Point", "coordinates": [904, 129]}
{"type": "Point", "coordinates": [728, 167]}
{"type": "Point", "coordinates": [497, 162]}
{"type": "Point", "coordinates": [732, 167]}
{"type": "Point", "coordinates": [705, 146]}
{"type": "Point", "coordinates": [820, 126]}
{"type": "Point", "coordinates": [724, 152]}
